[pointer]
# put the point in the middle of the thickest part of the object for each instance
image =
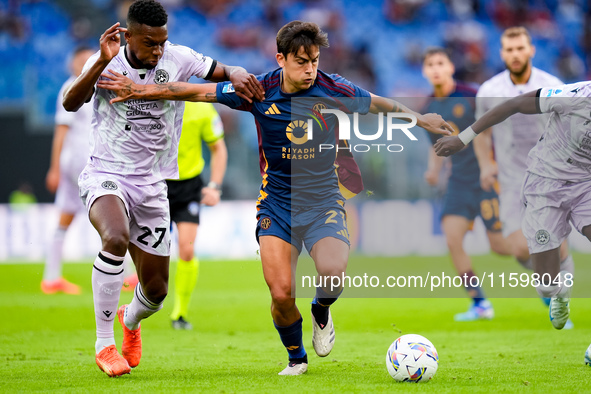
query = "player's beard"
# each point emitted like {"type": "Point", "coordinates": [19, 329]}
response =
{"type": "Point", "coordinates": [519, 72]}
{"type": "Point", "coordinates": [135, 61]}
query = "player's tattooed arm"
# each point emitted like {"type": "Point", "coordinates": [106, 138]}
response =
{"type": "Point", "coordinates": [526, 104]}
{"type": "Point", "coordinates": [433, 123]}
{"type": "Point", "coordinates": [81, 90]}
{"type": "Point", "coordinates": [126, 89]}
{"type": "Point", "coordinates": [246, 85]}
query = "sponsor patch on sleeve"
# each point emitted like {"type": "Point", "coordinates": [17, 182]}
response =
{"type": "Point", "coordinates": [229, 88]}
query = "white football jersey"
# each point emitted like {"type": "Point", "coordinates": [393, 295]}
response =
{"type": "Point", "coordinates": [564, 150]}
{"type": "Point", "coordinates": [140, 138]}
{"type": "Point", "coordinates": [76, 146]}
{"type": "Point", "coordinates": [514, 137]}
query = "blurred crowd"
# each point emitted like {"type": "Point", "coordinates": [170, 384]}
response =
{"type": "Point", "coordinates": [377, 44]}
{"type": "Point", "coordinates": [560, 28]}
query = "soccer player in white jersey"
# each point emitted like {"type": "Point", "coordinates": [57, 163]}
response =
{"type": "Point", "coordinates": [557, 187]}
{"type": "Point", "coordinates": [513, 138]}
{"type": "Point", "coordinates": [133, 149]}
{"type": "Point", "coordinates": [69, 154]}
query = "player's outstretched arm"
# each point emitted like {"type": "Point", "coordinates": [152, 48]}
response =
{"type": "Point", "coordinates": [246, 85]}
{"type": "Point", "coordinates": [126, 89]}
{"type": "Point", "coordinates": [433, 123]}
{"type": "Point", "coordinates": [82, 88]}
{"type": "Point", "coordinates": [525, 104]}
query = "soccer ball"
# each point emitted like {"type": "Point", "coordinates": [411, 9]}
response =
{"type": "Point", "coordinates": [412, 358]}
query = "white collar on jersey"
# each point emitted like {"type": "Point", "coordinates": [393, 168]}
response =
{"type": "Point", "coordinates": [140, 71]}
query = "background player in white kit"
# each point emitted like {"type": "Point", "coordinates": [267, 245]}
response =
{"type": "Point", "coordinates": [69, 153]}
{"type": "Point", "coordinates": [557, 187]}
{"type": "Point", "coordinates": [513, 138]}
{"type": "Point", "coordinates": [133, 149]}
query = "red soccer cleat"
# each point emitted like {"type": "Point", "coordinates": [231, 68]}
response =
{"type": "Point", "coordinates": [59, 286]}
{"type": "Point", "coordinates": [131, 349]}
{"type": "Point", "coordinates": [111, 362]}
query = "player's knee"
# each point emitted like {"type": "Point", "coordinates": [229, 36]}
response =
{"type": "Point", "coordinates": [186, 252]}
{"type": "Point", "coordinates": [335, 270]}
{"type": "Point", "coordinates": [282, 298]}
{"type": "Point", "coordinates": [115, 242]}
{"type": "Point", "coordinates": [498, 248]}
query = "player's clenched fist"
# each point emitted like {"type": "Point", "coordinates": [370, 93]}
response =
{"type": "Point", "coordinates": [447, 146]}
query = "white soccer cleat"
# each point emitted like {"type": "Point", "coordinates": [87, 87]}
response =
{"type": "Point", "coordinates": [293, 369]}
{"type": "Point", "coordinates": [559, 309]}
{"type": "Point", "coordinates": [588, 356]}
{"type": "Point", "coordinates": [323, 337]}
{"type": "Point", "coordinates": [483, 311]}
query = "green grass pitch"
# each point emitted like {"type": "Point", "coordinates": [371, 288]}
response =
{"type": "Point", "coordinates": [47, 342]}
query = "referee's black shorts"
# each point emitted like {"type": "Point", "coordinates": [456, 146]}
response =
{"type": "Point", "coordinates": [184, 198]}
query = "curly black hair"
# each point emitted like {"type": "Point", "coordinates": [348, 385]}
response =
{"type": "Point", "coordinates": [147, 12]}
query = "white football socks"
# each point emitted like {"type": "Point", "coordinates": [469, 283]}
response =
{"type": "Point", "coordinates": [107, 279]}
{"type": "Point", "coordinates": [140, 308]}
{"type": "Point", "coordinates": [568, 264]}
{"type": "Point", "coordinates": [555, 290]}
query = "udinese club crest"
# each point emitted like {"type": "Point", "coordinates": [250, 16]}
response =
{"type": "Point", "coordinates": [542, 237]}
{"type": "Point", "coordinates": [161, 76]}
{"type": "Point", "coordinates": [109, 185]}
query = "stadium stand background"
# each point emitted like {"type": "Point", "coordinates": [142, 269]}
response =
{"type": "Point", "coordinates": [375, 43]}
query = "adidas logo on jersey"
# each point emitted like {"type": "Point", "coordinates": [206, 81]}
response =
{"type": "Point", "coordinates": [273, 110]}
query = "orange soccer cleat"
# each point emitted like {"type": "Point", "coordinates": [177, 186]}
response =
{"type": "Point", "coordinates": [111, 362]}
{"type": "Point", "coordinates": [131, 349]}
{"type": "Point", "coordinates": [59, 286]}
{"type": "Point", "coordinates": [130, 282]}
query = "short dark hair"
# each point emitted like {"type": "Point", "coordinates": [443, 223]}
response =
{"type": "Point", "coordinates": [297, 34]}
{"type": "Point", "coordinates": [436, 51]}
{"type": "Point", "coordinates": [147, 12]}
